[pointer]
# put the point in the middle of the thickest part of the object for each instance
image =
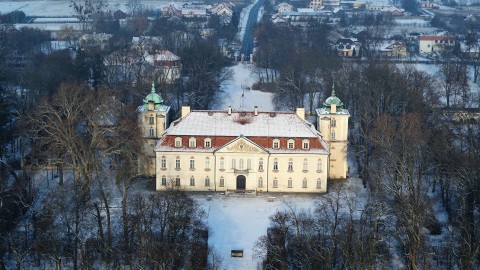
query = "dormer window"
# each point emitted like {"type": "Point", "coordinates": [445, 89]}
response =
{"type": "Point", "coordinates": [178, 142]}
{"type": "Point", "coordinates": [192, 142]}
{"type": "Point", "coordinates": [291, 144]}
{"type": "Point", "coordinates": [276, 144]}
{"type": "Point", "coordinates": [208, 143]}
{"type": "Point", "coordinates": [305, 144]}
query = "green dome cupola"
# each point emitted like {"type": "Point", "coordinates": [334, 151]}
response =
{"type": "Point", "coordinates": [333, 100]}
{"type": "Point", "coordinates": [154, 98]}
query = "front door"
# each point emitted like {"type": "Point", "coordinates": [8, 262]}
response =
{"type": "Point", "coordinates": [241, 182]}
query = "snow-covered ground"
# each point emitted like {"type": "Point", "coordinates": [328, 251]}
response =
{"type": "Point", "coordinates": [238, 221]}
{"type": "Point", "coordinates": [62, 7]}
{"type": "Point", "coordinates": [240, 83]}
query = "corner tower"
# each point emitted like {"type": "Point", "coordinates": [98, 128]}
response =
{"type": "Point", "coordinates": [333, 125]}
{"type": "Point", "coordinates": [153, 120]}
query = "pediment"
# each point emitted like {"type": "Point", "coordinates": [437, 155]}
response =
{"type": "Point", "coordinates": [241, 145]}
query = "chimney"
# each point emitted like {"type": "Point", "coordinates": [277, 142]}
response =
{"type": "Point", "coordinates": [185, 110]}
{"type": "Point", "coordinates": [229, 111]}
{"type": "Point", "coordinates": [301, 113]}
{"type": "Point", "coordinates": [255, 111]}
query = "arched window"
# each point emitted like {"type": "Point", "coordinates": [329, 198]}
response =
{"type": "Point", "coordinates": [207, 181]}
{"type": "Point", "coordinates": [177, 163]}
{"type": "Point", "coordinates": [290, 165]}
{"type": "Point", "coordinates": [163, 162]}
{"type": "Point", "coordinates": [222, 182]}
{"type": "Point", "coordinates": [275, 164]}
{"type": "Point", "coordinates": [178, 142]}
{"type": "Point", "coordinates": [291, 144]}
{"type": "Point", "coordinates": [222, 164]}
{"type": "Point", "coordinates": [260, 164]}
{"type": "Point", "coordinates": [164, 180]}
{"type": "Point", "coordinates": [208, 143]}
{"type": "Point", "coordinates": [333, 122]}
{"type": "Point", "coordinates": [319, 165]}
{"type": "Point", "coordinates": [276, 144]}
{"type": "Point", "coordinates": [207, 163]}
{"type": "Point", "coordinates": [177, 181]}
{"type": "Point", "coordinates": [305, 165]}
{"type": "Point", "coordinates": [192, 163]}
{"type": "Point", "coordinates": [305, 144]}
{"type": "Point", "coordinates": [192, 142]}
{"type": "Point", "coordinates": [275, 182]}
{"type": "Point", "coordinates": [192, 181]}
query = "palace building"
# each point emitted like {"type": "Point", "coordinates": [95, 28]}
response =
{"type": "Point", "coordinates": [208, 150]}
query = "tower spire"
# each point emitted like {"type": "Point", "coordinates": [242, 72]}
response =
{"type": "Point", "coordinates": [333, 89]}
{"type": "Point", "coordinates": [153, 87]}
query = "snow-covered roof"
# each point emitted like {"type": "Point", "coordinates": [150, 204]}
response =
{"type": "Point", "coordinates": [220, 123]}
{"type": "Point", "coordinates": [323, 111]}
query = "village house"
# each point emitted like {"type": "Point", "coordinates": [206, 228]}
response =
{"type": "Point", "coordinates": [429, 44]}
{"type": "Point", "coordinates": [347, 47]}
{"type": "Point", "coordinates": [391, 49]}
{"type": "Point", "coordinates": [283, 7]}
{"type": "Point", "coordinates": [167, 63]}
{"type": "Point", "coordinates": [248, 151]}
{"type": "Point", "coordinates": [100, 41]}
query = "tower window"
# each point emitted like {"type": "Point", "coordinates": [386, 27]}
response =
{"type": "Point", "coordinates": [151, 132]}
{"type": "Point", "coordinates": [332, 135]}
{"type": "Point", "coordinates": [151, 120]}
{"type": "Point", "coordinates": [333, 123]}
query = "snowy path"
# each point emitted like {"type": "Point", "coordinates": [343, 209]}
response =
{"type": "Point", "coordinates": [240, 83]}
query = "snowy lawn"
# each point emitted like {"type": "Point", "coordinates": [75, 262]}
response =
{"type": "Point", "coordinates": [238, 221]}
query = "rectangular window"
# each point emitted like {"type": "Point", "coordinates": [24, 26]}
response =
{"type": "Point", "coordinates": [275, 165]}
{"type": "Point", "coordinates": [276, 144]}
{"type": "Point", "coordinates": [305, 145]}
{"type": "Point", "coordinates": [151, 132]}
{"type": "Point", "coordinates": [207, 163]}
{"type": "Point", "coordinates": [260, 183]}
{"type": "Point", "coordinates": [233, 163]}
{"type": "Point", "coordinates": [151, 120]}
{"type": "Point", "coordinates": [290, 166]}
{"type": "Point", "coordinates": [290, 145]}
{"type": "Point", "coordinates": [177, 181]}
{"type": "Point", "coordinates": [178, 142]}
{"type": "Point", "coordinates": [192, 181]}
{"type": "Point", "coordinates": [241, 164]}
{"type": "Point", "coordinates": [332, 135]}
{"type": "Point", "coordinates": [275, 183]}
{"type": "Point", "coordinates": [164, 163]}
{"type": "Point", "coordinates": [193, 143]}
{"type": "Point", "coordinates": [177, 164]}
{"type": "Point", "coordinates": [192, 164]}
{"type": "Point", "coordinates": [208, 144]}
{"type": "Point", "coordinates": [207, 182]}
{"type": "Point", "coordinates": [164, 181]}
{"type": "Point", "coordinates": [260, 165]}
{"type": "Point", "coordinates": [319, 183]}
{"type": "Point", "coordinates": [305, 165]}
{"type": "Point", "coordinates": [222, 182]}
{"type": "Point", "coordinates": [222, 164]}
{"type": "Point", "coordinates": [290, 183]}
{"type": "Point", "coordinates": [333, 123]}
{"type": "Point", "coordinates": [304, 184]}
{"type": "Point", "coordinates": [249, 164]}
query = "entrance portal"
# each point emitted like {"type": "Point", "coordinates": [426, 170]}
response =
{"type": "Point", "coordinates": [241, 179]}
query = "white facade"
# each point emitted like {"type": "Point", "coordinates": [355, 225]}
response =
{"type": "Point", "coordinates": [246, 151]}
{"type": "Point", "coordinates": [429, 44]}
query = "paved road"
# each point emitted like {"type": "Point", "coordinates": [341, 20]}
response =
{"type": "Point", "coordinates": [247, 45]}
